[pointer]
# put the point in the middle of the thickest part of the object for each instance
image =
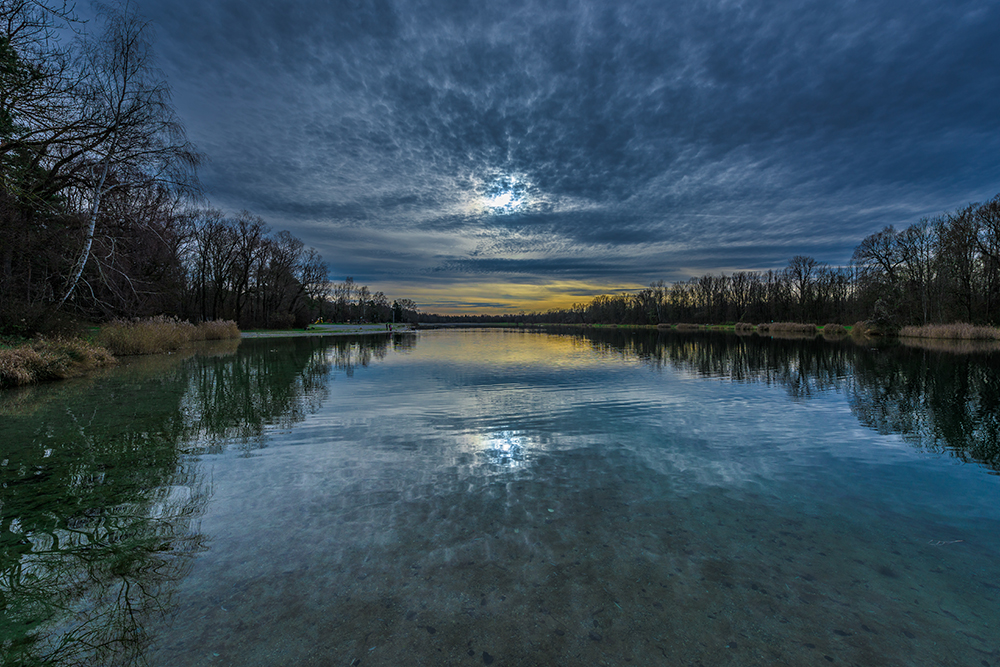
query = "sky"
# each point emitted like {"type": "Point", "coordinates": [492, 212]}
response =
{"type": "Point", "coordinates": [523, 155]}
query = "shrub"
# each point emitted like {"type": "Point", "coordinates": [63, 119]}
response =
{"type": "Point", "coordinates": [688, 327]}
{"type": "Point", "coordinates": [834, 330]}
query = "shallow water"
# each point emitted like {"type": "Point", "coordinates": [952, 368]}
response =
{"type": "Point", "coordinates": [510, 498]}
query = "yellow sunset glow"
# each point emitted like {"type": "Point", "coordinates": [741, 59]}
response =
{"type": "Point", "coordinates": [473, 298]}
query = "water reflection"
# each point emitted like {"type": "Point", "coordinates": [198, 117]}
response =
{"type": "Point", "coordinates": [505, 449]}
{"type": "Point", "coordinates": [100, 496]}
{"type": "Point", "coordinates": [587, 496]}
{"type": "Point", "coordinates": [936, 399]}
{"type": "Point", "coordinates": [592, 498]}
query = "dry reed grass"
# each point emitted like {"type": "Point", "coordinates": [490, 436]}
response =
{"type": "Point", "coordinates": [834, 330]}
{"type": "Point", "coordinates": [788, 327]}
{"type": "Point", "coordinates": [955, 331]}
{"type": "Point", "coordinates": [50, 359]}
{"type": "Point", "coordinates": [160, 334]}
{"type": "Point", "coordinates": [744, 327]}
{"type": "Point", "coordinates": [688, 327]}
{"type": "Point", "coordinates": [216, 330]}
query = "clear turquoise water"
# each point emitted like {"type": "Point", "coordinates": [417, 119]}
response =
{"type": "Point", "coordinates": [509, 498]}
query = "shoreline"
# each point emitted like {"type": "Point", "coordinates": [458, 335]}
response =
{"type": "Point", "coordinates": [331, 330]}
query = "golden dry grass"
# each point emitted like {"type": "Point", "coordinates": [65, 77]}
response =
{"type": "Point", "coordinates": [955, 331]}
{"type": "Point", "coordinates": [859, 329]}
{"type": "Point", "coordinates": [160, 334]}
{"type": "Point", "coordinates": [788, 327]}
{"type": "Point", "coordinates": [216, 330]}
{"type": "Point", "coordinates": [50, 359]}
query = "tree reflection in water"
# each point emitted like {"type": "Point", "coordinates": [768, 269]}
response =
{"type": "Point", "coordinates": [936, 398]}
{"type": "Point", "coordinates": [100, 496]}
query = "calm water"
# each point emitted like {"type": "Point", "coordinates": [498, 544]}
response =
{"type": "Point", "coordinates": [508, 498]}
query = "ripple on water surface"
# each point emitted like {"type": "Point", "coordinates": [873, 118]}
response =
{"type": "Point", "coordinates": [498, 497]}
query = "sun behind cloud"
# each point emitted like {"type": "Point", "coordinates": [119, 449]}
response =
{"type": "Point", "coordinates": [505, 194]}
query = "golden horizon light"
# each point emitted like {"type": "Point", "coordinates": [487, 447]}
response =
{"type": "Point", "coordinates": [500, 298]}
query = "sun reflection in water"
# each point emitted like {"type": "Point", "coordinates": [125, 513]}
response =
{"type": "Point", "coordinates": [507, 449]}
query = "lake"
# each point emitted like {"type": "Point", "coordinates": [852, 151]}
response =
{"type": "Point", "coordinates": [507, 497]}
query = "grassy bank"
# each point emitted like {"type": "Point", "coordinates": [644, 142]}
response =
{"type": "Point", "coordinates": [47, 359]}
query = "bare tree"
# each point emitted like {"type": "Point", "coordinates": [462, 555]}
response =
{"type": "Point", "coordinates": [917, 244]}
{"type": "Point", "coordinates": [988, 219]}
{"type": "Point", "coordinates": [802, 273]}
{"type": "Point", "coordinates": [137, 137]}
{"type": "Point", "coordinates": [39, 96]}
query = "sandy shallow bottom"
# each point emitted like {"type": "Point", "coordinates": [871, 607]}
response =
{"type": "Point", "coordinates": [531, 572]}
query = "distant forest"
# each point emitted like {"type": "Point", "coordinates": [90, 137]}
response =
{"type": "Point", "coordinates": [98, 221]}
{"type": "Point", "coordinates": [940, 270]}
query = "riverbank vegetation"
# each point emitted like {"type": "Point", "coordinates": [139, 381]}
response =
{"type": "Point", "coordinates": [160, 334]}
{"type": "Point", "coordinates": [61, 357]}
{"type": "Point", "coordinates": [50, 359]}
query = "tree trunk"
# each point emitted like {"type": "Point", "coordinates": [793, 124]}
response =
{"type": "Point", "coordinates": [88, 241]}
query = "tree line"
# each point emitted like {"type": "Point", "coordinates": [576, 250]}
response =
{"type": "Point", "coordinates": [938, 270]}
{"type": "Point", "coordinates": [99, 193]}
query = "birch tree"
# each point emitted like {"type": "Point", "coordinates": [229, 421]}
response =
{"type": "Point", "coordinates": [137, 138]}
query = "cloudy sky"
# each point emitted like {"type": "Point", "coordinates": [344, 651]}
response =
{"type": "Point", "coordinates": [479, 156]}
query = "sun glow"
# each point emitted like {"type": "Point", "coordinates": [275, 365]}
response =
{"type": "Point", "coordinates": [504, 195]}
{"type": "Point", "coordinates": [501, 201]}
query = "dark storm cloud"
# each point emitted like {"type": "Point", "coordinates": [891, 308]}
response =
{"type": "Point", "coordinates": [651, 137]}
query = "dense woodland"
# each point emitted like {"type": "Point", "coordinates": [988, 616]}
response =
{"type": "Point", "coordinates": [99, 220]}
{"type": "Point", "coordinates": [939, 270]}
